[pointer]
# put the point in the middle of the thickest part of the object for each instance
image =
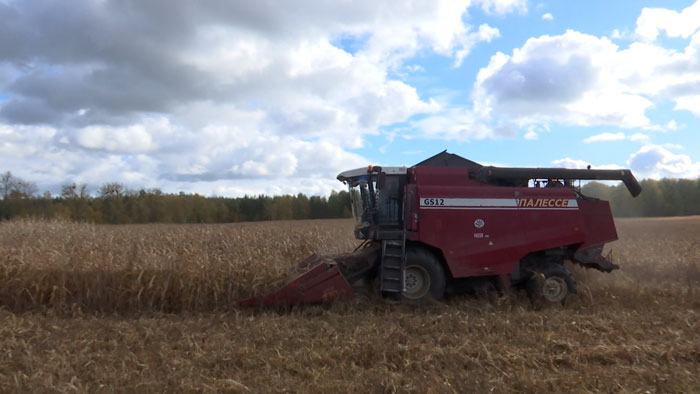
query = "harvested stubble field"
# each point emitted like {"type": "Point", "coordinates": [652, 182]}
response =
{"type": "Point", "coordinates": [151, 308]}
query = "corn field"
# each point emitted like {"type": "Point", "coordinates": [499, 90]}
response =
{"type": "Point", "coordinates": [152, 308]}
{"type": "Point", "coordinates": [159, 268]}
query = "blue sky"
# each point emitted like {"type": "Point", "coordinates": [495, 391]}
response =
{"type": "Point", "coordinates": [598, 18]}
{"type": "Point", "coordinates": [232, 98]}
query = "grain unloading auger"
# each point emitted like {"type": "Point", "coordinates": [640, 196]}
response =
{"type": "Point", "coordinates": [450, 225]}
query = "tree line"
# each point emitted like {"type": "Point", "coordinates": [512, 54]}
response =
{"type": "Point", "coordinates": [114, 203]}
{"type": "Point", "coordinates": [117, 204]}
{"type": "Point", "coordinates": [666, 197]}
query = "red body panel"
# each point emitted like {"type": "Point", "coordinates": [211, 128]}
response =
{"type": "Point", "coordinates": [598, 223]}
{"type": "Point", "coordinates": [483, 229]}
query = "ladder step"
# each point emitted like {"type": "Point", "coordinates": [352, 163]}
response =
{"type": "Point", "coordinates": [392, 266]}
{"type": "Point", "coordinates": [395, 273]}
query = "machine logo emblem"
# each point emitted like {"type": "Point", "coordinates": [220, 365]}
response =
{"type": "Point", "coordinates": [479, 223]}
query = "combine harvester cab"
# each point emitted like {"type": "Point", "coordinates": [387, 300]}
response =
{"type": "Point", "coordinates": [449, 225]}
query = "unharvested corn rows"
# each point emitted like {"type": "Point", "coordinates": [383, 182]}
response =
{"type": "Point", "coordinates": [176, 268]}
{"type": "Point", "coordinates": [164, 268]}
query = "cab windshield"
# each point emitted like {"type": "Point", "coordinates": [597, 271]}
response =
{"type": "Point", "coordinates": [360, 197]}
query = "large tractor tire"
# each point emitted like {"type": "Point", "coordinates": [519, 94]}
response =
{"type": "Point", "coordinates": [425, 277]}
{"type": "Point", "coordinates": [553, 284]}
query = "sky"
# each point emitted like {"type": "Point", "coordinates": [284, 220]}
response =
{"type": "Point", "coordinates": [228, 98]}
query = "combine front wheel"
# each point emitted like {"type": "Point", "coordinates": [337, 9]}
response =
{"type": "Point", "coordinates": [425, 277]}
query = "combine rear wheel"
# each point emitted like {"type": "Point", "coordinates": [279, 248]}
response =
{"type": "Point", "coordinates": [553, 284]}
{"type": "Point", "coordinates": [425, 277]}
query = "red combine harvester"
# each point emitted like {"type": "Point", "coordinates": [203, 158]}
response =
{"type": "Point", "coordinates": [450, 225]}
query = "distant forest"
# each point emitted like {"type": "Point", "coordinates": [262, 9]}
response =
{"type": "Point", "coordinates": [667, 197]}
{"type": "Point", "coordinates": [116, 204]}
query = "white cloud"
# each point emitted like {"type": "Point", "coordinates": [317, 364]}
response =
{"type": "Point", "coordinates": [190, 97]}
{"type": "Point", "coordinates": [238, 96]}
{"type": "Point", "coordinates": [673, 146]}
{"type": "Point", "coordinates": [570, 163]}
{"type": "Point", "coordinates": [207, 161]}
{"type": "Point", "coordinates": [531, 135]}
{"type": "Point", "coordinates": [682, 24]}
{"type": "Point", "coordinates": [571, 79]}
{"type": "Point", "coordinates": [639, 137]}
{"type": "Point", "coordinates": [458, 125]}
{"type": "Point", "coordinates": [503, 6]}
{"type": "Point", "coordinates": [581, 164]}
{"type": "Point", "coordinates": [605, 137]}
{"type": "Point", "coordinates": [485, 33]}
{"type": "Point", "coordinates": [618, 35]}
{"type": "Point", "coordinates": [547, 17]}
{"type": "Point", "coordinates": [636, 137]}
{"type": "Point", "coordinates": [397, 33]}
{"type": "Point", "coordinates": [532, 132]}
{"type": "Point", "coordinates": [653, 161]}
{"type": "Point", "coordinates": [583, 80]}
{"type": "Point", "coordinates": [131, 139]}
{"type": "Point", "coordinates": [308, 186]}
{"type": "Point", "coordinates": [17, 142]}
{"type": "Point", "coordinates": [689, 103]}
{"type": "Point", "coordinates": [564, 79]}
{"type": "Point", "coordinates": [415, 68]}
